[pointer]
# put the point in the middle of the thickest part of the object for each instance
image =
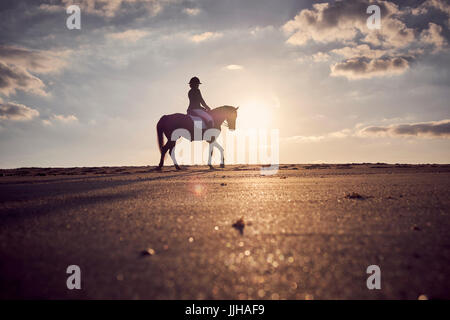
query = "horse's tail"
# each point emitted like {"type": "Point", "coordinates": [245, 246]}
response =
{"type": "Point", "coordinates": [159, 131]}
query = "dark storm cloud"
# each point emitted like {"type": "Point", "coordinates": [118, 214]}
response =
{"type": "Point", "coordinates": [428, 129]}
{"type": "Point", "coordinates": [16, 112]}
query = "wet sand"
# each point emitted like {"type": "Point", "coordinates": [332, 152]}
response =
{"type": "Point", "coordinates": [307, 232]}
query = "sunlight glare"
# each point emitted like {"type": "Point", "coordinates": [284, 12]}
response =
{"type": "Point", "coordinates": [254, 114]}
{"type": "Point", "coordinates": [199, 189]}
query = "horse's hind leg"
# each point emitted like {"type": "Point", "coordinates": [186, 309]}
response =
{"type": "Point", "coordinates": [172, 154]}
{"type": "Point", "coordinates": [163, 153]}
{"type": "Point", "coordinates": [222, 158]}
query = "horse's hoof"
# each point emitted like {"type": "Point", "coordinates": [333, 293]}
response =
{"type": "Point", "coordinates": [158, 168]}
{"type": "Point", "coordinates": [211, 168]}
{"type": "Point", "coordinates": [222, 166]}
{"type": "Point", "coordinates": [177, 167]}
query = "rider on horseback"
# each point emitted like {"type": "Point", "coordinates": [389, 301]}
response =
{"type": "Point", "coordinates": [196, 102]}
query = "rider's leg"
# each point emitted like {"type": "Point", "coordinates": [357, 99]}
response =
{"type": "Point", "coordinates": [209, 120]}
{"type": "Point", "coordinates": [205, 116]}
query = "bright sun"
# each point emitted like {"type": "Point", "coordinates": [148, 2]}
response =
{"type": "Point", "coordinates": [254, 114]}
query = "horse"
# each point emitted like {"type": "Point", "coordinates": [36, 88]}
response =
{"type": "Point", "coordinates": [170, 126]}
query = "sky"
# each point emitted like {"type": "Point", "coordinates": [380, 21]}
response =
{"type": "Point", "coordinates": [336, 90]}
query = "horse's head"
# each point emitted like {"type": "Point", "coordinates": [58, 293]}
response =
{"type": "Point", "coordinates": [231, 117]}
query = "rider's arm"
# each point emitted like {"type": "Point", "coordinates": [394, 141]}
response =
{"type": "Point", "coordinates": [203, 103]}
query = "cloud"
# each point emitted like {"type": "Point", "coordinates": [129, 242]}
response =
{"type": "Point", "coordinates": [192, 11]}
{"type": "Point", "coordinates": [320, 57]}
{"type": "Point", "coordinates": [432, 129]}
{"type": "Point", "coordinates": [34, 60]}
{"type": "Point", "coordinates": [52, 7]}
{"type": "Point", "coordinates": [341, 28]}
{"type": "Point", "coordinates": [332, 135]}
{"type": "Point", "coordinates": [234, 67]}
{"type": "Point", "coordinates": [59, 118]}
{"type": "Point", "coordinates": [302, 139]}
{"type": "Point", "coordinates": [13, 111]}
{"type": "Point", "coordinates": [433, 35]}
{"type": "Point", "coordinates": [393, 34]}
{"type": "Point", "coordinates": [364, 68]}
{"type": "Point", "coordinates": [106, 8]}
{"type": "Point", "coordinates": [316, 57]}
{"type": "Point", "coordinates": [338, 21]}
{"type": "Point", "coordinates": [17, 65]}
{"type": "Point", "coordinates": [16, 112]}
{"type": "Point", "coordinates": [205, 36]}
{"type": "Point", "coordinates": [132, 35]}
{"type": "Point", "coordinates": [64, 119]}
{"type": "Point", "coordinates": [441, 5]}
{"type": "Point", "coordinates": [440, 129]}
{"type": "Point", "coordinates": [13, 78]}
{"type": "Point", "coordinates": [362, 50]}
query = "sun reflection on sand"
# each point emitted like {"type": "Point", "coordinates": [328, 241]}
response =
{"type": "Point", "coordinates": [199, 189]}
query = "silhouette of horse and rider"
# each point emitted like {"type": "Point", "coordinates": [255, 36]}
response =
{"type": "Point", "coordinates": [171, 125]}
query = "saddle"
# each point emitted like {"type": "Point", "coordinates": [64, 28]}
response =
{"type": "Point", "coordinates": [199, 123]}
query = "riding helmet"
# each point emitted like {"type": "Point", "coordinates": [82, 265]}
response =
{"type": "Point", "coordinates": [194, 80]}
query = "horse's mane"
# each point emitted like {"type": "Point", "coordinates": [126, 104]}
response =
{"type": "Point", "coordinates": [224, 108]}
{"type": "Point", "coordinates": [223, 111]}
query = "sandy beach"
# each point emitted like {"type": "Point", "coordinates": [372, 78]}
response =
{"type": "Point", "coordinates": [307, 232]}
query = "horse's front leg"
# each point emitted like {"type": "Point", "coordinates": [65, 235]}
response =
{"type": "Point", "coordinates": [211, 146]}
{"type": "Point", "coordinates": [218, 146]}
{"type": "Point", "coordinates": [222, 158]}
